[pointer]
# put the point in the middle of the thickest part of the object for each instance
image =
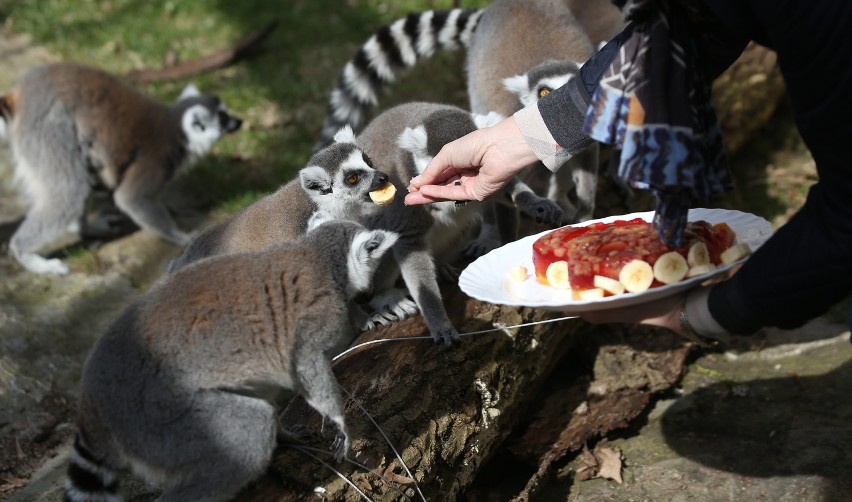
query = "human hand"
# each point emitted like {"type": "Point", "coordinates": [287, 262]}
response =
{"type": "Point", "coordinates": [473, 167]}
{"type": "Point", "coordinates": [663, 312]}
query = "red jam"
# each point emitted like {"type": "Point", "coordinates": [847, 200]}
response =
{"type": "Point", "coordinates": [604, 248]}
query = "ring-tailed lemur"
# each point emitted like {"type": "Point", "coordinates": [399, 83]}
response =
{"type": "Point", "coordinates": [402, 140]}
{"type": "Point", "coordinates": [506, 39]}
{"type": "Point", "coordinates": [336, 180]}
{"type": "Point", "coordinates": [182, 388]}
{"type": "Point", "coordinates": [72, 127]}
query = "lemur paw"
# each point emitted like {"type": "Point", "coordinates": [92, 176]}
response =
{"type": "Point", "coordinates": [448, 335]}
{"type": "Point", "coordinates": [546, 212]}
{"type": "Point", "coordinates": [389, 307]}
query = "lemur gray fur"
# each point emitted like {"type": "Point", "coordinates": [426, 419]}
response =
{"type": "Point", "coordinates": [182, 388]}
{"type": "Point", "coordinates": [72, 128]}
{"type": "Point", "coordinates": [506, 39]}
{"type": "Point", "coordinates": [402, 140]}
{"type": "Point", "coordinates": [336, 180]}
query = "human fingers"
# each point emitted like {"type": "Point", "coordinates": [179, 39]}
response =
{"type": "Point", "coordinates": [662, 312]}
{"type": "Point", "coordinates": [452, 160]}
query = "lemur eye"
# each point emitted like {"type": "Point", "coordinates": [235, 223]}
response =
{"type": "Point", "coordinates": [352, 179]}
{"type": "Point", "coordinates": [544, 91]}
{"type": "Point", "coordinates": [198, 124]}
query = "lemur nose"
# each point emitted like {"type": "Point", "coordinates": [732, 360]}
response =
{"type": "Point", "coordinates": [379, 180]}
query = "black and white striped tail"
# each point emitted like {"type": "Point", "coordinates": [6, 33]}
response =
{"type": "Point", "coordinates": [88, 479]}
{"type": "Point", "coordinates": [393, 48]}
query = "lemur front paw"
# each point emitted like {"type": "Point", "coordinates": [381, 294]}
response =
{"type": "Point", "coordinates": [544, 211]}
{"type": "Point", "coordinates": [448, 335]}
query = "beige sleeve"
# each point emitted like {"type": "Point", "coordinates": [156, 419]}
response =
{"type": "Point", "coordinates": [539, 139]}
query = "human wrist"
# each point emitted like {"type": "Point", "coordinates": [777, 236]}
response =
{"type": "Point", "coordinates": [537, 136]}
{"type": "Point", "coordinates": [695, 318]}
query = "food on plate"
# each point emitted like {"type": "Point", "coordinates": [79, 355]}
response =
{"type": "Point", "coordinates": [734, 253]}
{"type": "Point", "coordinates": [518, 273]}
{"type": "Point", "coordinates": [383, 196]}
{"type": "Point", "coordinates": [605, 259]}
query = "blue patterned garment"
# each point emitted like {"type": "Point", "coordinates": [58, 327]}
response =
{"type": "Point", "coordinates": [653, 103]}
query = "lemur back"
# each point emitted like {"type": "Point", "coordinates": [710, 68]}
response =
{"type": "Point", "coordinates": [72, 128]}
{"type": "Point", "coordinates": [403, 140]}
{"type": "Point", "coordinates": [182, 388]}
{"type": "Point", "coordinates": [336, 180]}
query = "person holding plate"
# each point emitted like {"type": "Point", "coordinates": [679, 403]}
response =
{"type": "Point", "coordinates": [648, 93]}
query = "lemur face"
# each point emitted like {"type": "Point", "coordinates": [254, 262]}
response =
{"type": "Point", "coordinates": [204, 120]}
{"type": "Point", "coordinates": [339, 179]}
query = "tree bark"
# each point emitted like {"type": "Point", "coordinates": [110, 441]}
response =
{"type": "Point", "coordinates": [446, 411]}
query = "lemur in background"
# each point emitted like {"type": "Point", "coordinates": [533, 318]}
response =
{"type": "Point", "coordinates": [503, 40]}
{"type": "Point", "coordinates": [337, 181]}
{"type": "Point", "coordinates": [182, 388]}
{"type": "Point", "coordinates": [402, 140]}
{"type": "Point", "coordinates": [72, 128]}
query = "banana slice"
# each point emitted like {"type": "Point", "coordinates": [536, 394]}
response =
{"type": "Point", "coordinates": [383, 196]}
{"type": "Point", "coordinates": [734, 253]}
{"type": "Point", "coordinates": [700, 269]}
{"type": "Point", "coordinates": [557, 275]}
{"type": "Point", "coordinates": [636, 276]}
{"type": "Point", "coordinates": [611, 286]}
{"type": "Point", "coordinates": [591, 294]}
{"type": "Point", "coordinates": [670, 267]}
{"type": "Point", "coordinates": [698, 254]}
{"type": "Point", "coordinates": [518, 273]}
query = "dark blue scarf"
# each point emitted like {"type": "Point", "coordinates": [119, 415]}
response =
{"type": "Point", "coordinates": [653, 103]}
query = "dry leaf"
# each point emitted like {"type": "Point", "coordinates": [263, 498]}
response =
{"type": "Point", "coordinates": [604, 462]}
{"type": "Point", "coordinates": [610, 463]}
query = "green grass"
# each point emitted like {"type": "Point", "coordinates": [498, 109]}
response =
{"type": "Point", "coordinates": [281, 92]}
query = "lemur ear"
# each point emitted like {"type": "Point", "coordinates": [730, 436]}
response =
{"type": "Point", "coordinates": [373, 244]}
{"type": "Point", "coordinates": [519, 85]}
{"type": "Point", "coordinates": [315, 179]}
{"type": "Point", "coordinates": [482, 121]}
{"type": "Point", "coordinates": [414, 140]}
{"type": "Point", "coordinates": [318, 218]}
{"type": "Point", "coordinates": [345, 135]}
{"type": "Point", "coordinates": [190, 91]}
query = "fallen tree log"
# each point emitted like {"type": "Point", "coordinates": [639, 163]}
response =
{"type": "Point", "coordinates": [446, 411]}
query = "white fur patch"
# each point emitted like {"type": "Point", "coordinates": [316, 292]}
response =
{"type": "Point", "coordinates": [414, 141]}
{"type": "Point", "coordinates": [317, 219]}
{"type": "Point", "coordinates": [361, 263]}
{"type": "Point", "coordinates": [472, 21]}
{"type": "Point", "coordinates": [426, 37]}
{"type": "Point", "coordinates": [489, 120]}
{"type": "Point", "coordinates": [446, 37]}
{"type": "Point", "coordinates": [378, 59]}
{"type": "Point", "coordinates": [344, 109]}
{"type": "Point", "coordinates": [403, 42]}
{"type": "Point", "coordinates": [190, 91]}
{"type": "Point", "coordinates": [555, 82]}
{"type": "Point", "coordinates": [359, 84]}
{"type": "Point", "coordinates": [4, 133]}
{"type": "Point", "coordinates": [202, 129]}
{"type": "Point", "coordinates": [519, 85]}
{"type": "Point", "coordinates": [345, 135]}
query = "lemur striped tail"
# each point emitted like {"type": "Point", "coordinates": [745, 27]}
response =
{"type": "Point", "coordinates": [390, 50]}
{"type": "Point", "coordinates": [88, 479]}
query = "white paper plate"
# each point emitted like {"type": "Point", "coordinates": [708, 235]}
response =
{"type": "Point", "coordinates": [486, 278]}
